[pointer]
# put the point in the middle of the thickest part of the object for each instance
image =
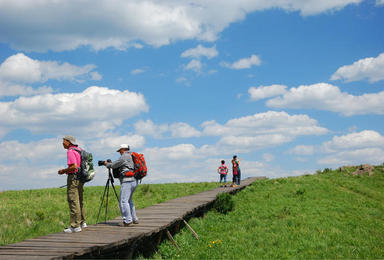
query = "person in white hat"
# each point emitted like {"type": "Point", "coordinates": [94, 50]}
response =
{"type": "Point", "coordinates": [128, 183]}
{"type": "Point", "coordinates": [74, 186]}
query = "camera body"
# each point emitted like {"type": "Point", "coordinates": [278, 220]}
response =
{"type": "Point", "coordinates": [101, 163]}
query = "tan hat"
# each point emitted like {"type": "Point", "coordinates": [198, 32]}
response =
{"type": "Point", "coordinates": [123, 146]}
{"type": "Point", "coordinates": [71, 139]}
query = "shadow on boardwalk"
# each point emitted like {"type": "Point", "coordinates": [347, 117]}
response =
{"type": "Point", "coordinates": [109, 240]}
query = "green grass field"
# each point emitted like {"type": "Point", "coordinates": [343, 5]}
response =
{"type": "Point", "coordinates": [329, 215]}
{"type": "Point", "coordinates": [31, 213]}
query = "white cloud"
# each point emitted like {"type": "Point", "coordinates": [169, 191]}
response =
{"type": "Point", "coordinates": [121, 24]}
{"type": "Point", "coordinates": [261, 130]}
{"type": "Point", "coordinates": [108, 143]}
{"type": "Point", "coordinates": [199, 52]}
{"type": "Point", "coordinates": [176, 130]}
{"type": "Point", "coordinates": [21, 68]}
{"type": "Point", "coordinates": [96, 76]}
{"type": "Point", "coordinates": [137, 71]}
{"type": "Point", "coordinates": [194, 65]}
{"type": "Point", "coordinates": [262, 92]}
{"type": "Point", "coordinates": [183, 130]}
{"type": "Point", "coordinates": [323, 96]}
{"type": "Point", "coordinates": [244, 63]}
{"type": "Point", "coordinates": [94, 110]}
{"type": "Point", "coordinates": [302, 150]}
{"type": "Point", "coordinates": [28, 151]}
{"type": "Point", "coordinates": [379, 2]}
{"type": "Point", "coordinates": [268, 157]}
{"type": "Point", "coordinates": [363, 139]}
{"type": "Point", "coordinates": [368, 68]}
{"type": "Point", "coordinates": [354, 149]}
{"type": "Point", "coordinates": [354, 157]}
{"type": "Point", "coordinates": [18, 70]}
{"type": "Point", "coordinates": [10, 90]}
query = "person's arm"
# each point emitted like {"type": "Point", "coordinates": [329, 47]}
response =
{"type": "Point", "coordinates": [71, 168]}
{"type": "Point", "coordinates": [116, 164]}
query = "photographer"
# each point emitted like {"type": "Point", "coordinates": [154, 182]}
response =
{"type": "Point", "coordinates": [125, 166]}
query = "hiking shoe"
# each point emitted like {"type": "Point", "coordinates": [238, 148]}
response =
{"type": "Point", "coordinates": [136, 222]}
{"type": "Point", "coordinates": [72, 230]}
{"type": "Point", "coordinates": [83, 225]}
{"type": "Point", "coordinates": [125, 224]}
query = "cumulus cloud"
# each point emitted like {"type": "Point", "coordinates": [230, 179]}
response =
{"type": "Point", "coordinates": [302, 150]}
{"type": "Point", "coordinates": [21, 68]}
{"type": "Point", "coordinates": [174, 130]}
{"type": "Point", "coordinates": [121, 24]}
{"type": "Point", "coordinates": [137, 71]}
{"type": "Point", "coordinates": [194, 65]}
{"type": "Point", "coordinates": [94, 110]}
{"type": "Point", "coordinates": [323, 96]}
{"type": "Point", "coordinates": [363, 139]}
{"type": "Point", "coordinates": [244, 63]}
{"type": "Point", "coordinates": [199, 52]}
{"type": "Point", "coordinates": [189, 163]}
{"type": "Point", "coordinates": [18, 70]}
{"type": "Point", "coordinates": [261, 130]}
{"type": "Point", "coordinates": [10, 90]}
{"type": "Point", "coordinates": [371, 69]}
{"type": "Point", "coordinates": [354, 149]}
{"type": "Point", "coordinates": [262, 92]}
{"type": "Point", "coordinates": [379, 2]}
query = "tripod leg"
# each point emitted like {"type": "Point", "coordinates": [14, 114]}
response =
{"type": "Point", "coordinates": [102, 200]}
{"type": "Point", "coordinates": [106, 206]}
{"type": "Point", "coordinates": [117, 197]}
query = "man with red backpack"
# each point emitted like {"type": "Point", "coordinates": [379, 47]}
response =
{"type": "Point", "coordinates": [223, 171]}
{"type": "Point", "coordinates": [126, 167]}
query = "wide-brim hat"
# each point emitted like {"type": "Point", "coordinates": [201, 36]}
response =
{"type": "Point", "coordinates": [123, 146]}
{"type": "Point", "coordinates": [71, 139]}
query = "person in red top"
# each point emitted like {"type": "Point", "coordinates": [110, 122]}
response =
{"type": "Point", "coordinates": [223, 171]}
{"type": "Point", "coordinates": [74, 186]}
{"type": "Point", "coordinates": [235, 171]}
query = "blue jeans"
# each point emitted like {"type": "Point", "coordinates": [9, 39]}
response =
{"type": "Point", "coordinates": [127, 208]}
{"type": "Point", "coordinates": [223, 176]}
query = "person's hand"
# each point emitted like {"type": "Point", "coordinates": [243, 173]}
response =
{"type": "Point", "coordinates": [60, 172]}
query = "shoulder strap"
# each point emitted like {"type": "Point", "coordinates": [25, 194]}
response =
{"type": "Point", "coordinates": [75, 149]}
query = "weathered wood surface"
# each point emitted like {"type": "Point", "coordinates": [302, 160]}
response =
{"type": "Point", "coordinates": [95, 240]}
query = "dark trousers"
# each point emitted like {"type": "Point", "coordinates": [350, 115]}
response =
{"type": "Point", "coordinates": [236, 178]}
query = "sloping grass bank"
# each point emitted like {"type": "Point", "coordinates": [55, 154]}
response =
{"type": "Point", "coordinates": [31, 213]}
{"type": "Point", "coordinates": [329, 215]}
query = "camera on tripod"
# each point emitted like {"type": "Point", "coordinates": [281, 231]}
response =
{"type": "Point", "coordinates": [101, 163]}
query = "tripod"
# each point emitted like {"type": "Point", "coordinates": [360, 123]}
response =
{"type": "Point", "coordinates": [106, 190]}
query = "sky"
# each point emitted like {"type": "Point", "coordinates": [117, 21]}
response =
{"type": "Point", "coordinates": [290, 87]}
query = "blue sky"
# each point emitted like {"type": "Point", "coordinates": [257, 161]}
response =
{"type": "Point", "coordinates": [289, 86]}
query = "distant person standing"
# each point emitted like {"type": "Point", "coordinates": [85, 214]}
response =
{"type": "Point", "coordinates": [74, 186]}
{"type": "Point", "coordinates": [236, 171]}
{"type": "Point", "coordinates": [223, 171]}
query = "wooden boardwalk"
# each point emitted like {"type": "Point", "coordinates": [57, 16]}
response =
{"type": "Point", "coordinates": [109, 240]}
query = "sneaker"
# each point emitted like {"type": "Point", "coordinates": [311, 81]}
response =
{"type": "Point", "coordinates": [83, 225]}
{"type": "Point", "coordinates": [72, 230]}
{"type": "Point", "coordinates": [136, 221]}
{"type": "Point", "coordinates": [125, 224]}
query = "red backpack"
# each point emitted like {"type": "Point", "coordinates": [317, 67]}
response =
{"type": "Point", "coordinates": [140, 170]}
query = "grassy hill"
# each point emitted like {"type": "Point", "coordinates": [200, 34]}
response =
{"type": "Point", "coordinates": [328, 215]}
